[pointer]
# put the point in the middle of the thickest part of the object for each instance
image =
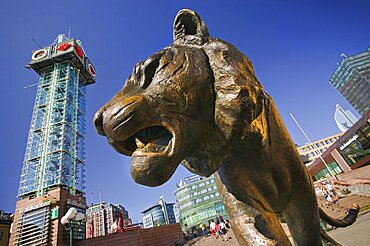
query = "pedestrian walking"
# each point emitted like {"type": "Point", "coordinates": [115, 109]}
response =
{"type": "Point", "coordinates": [204, 229]}
{"type": "Point", "coordinates": [223, 230]}
{"type": "Point", "coordinates": [331, 189]}
{"type": "Point", "coordinates": [212, 228]}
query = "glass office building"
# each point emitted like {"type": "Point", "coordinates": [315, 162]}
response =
{"type": "Point", "coordinates": [344, 118]}
{"type": "Point", "coordinates": [53, 173]}
{"type": "Point", "coordinates": [55, 152]}
{"type": "Point", "coordinates": [198, 201]}
{"type": "Point", "coordinates": [159, 214]}
{"type": "Point", "coordinates": [352, 79]}
{"type": "Point", "coordinates": [350, 151]}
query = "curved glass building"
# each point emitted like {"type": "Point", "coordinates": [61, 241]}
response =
{"type": "Point", "coordinates": [198, 201]}
{"type": "Point", "coordinates": [160, 214]}
{"type": "Point", "coordinates": [344, 118]}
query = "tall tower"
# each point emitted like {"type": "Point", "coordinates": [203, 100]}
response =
{"type": "Point", "coordinates": [53, 173]}
{"type": "Point", "coordinates": [352, 79]}
{"type": "Point", "coordinates": [344, 118]}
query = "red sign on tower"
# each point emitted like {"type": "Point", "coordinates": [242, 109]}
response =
{"type": "Point", "coordinates": [79, 51]}
{"type": "Point", "coordinates": [63, 47]}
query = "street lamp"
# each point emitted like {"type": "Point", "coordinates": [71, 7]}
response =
{"type": "Point", "coordinates": [71, 214]}
{"type": "Point", "coordinates": [322, 159]}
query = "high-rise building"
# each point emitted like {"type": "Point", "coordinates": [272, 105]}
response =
{"type": "Point", "coordinates": [352, 79]}
{"type": "Point", "coordinates": [159, 214]}
{"type": "Point", "coordinates": [344, 118]}
{"type": "Point", "coordinates": [53, 172]}
{"type": "Point", "coordinates": [198, 201]}
{"type": "Point", "coordinates": [105, 218]}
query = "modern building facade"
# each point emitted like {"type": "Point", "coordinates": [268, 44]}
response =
{"type": "Point", "coordinates": [314, 150]}
{"type": "Point", "coordinates": [159, 214]}
{"type": "Point", "coordinates": [105, 218]}
{"type": "Point", "coordinates": [198, 201]}
{"type": "Point", "coordinates": [352, 79]}
{"type": "Point", "coordinates": [53, 172]}
{"type": "Point", "coordinates": [344, 118]}
{"type": "Point", "coordinates": [350, 151]}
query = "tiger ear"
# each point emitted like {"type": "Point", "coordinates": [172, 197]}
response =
{"type": "Point", "coordinates": [188, 27]}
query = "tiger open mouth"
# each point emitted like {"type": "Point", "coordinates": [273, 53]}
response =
{"type": "Point", "coordinates": [152, 139]}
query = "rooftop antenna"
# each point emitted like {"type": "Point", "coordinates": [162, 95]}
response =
{"type": "Point", "coordinates": [343, 55]}
{"type": "Point", "coordinates": [60, 38]}
{"type": "Point", "coordinates": [91, 198]}
{"type": "Point", "coordinates": [36, 42]}
{"type": "Point", "coordinates": [32, 85]}
{"type": "Point", "coordinates": [100, 196]}
{"type": "Point", "coordinates": [69, 32]}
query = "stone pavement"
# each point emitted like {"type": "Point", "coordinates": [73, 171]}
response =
{"type": "Point", "coordinates": [212, 241]}
{"type": "Point", "coordinates": [357, 234]}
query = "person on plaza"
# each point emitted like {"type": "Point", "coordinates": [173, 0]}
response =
{"type": "Point", "coordinates": [217, 220]}
{"type": "Point", "coordinates": [220, 218]}
{"type": "Point", "coordinates": [194, 232]}
{"type": "Point", "coordinates": [212, 227]}
{"type": "Point", "coordinates": [186, 232]}
{"type": "Point", "coordinates": [218, 230]}
{"type": "Point", "coordinates": [326, 193]}
{"type": "Point", "coordinates": [227, 223]}
{"type": "Point", "coordinates": [204, 229]}
{"type": "Point", "coordinates": [223, 230]}
{"type": "Point", "coordinates": [331, 190]}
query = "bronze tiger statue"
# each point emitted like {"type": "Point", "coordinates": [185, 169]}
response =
{"type": "Point", "coordinates": [199, 100]}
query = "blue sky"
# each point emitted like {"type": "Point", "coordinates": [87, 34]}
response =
{"type": "Point", "coordinates": [294, 46]}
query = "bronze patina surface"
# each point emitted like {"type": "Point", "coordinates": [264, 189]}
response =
{"type": "Point", "coordinates": [199, 100]}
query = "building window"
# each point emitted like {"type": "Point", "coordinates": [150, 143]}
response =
{"type": "Point", "coordinates": [33, 227]}
{"type": "Point", "coordinates": [324, 173]}
{"type": "Point", "coordinates": [357, 147]}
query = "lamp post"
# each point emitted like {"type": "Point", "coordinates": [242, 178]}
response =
{"type": "Point", "coordinates": [71, 214]}
{"type": "Point", "coordinates": [322, 159]}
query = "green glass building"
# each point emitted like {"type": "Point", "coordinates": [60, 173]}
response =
{"type": "Point", "coordinates": [352, 79]}
{"type": "Point", "coordinates": [350, 151]}
{"type": "Point", "coordinates": [198, 201]}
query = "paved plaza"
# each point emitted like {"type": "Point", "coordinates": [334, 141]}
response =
{"type": "Point", "coordinates": [357, 234]}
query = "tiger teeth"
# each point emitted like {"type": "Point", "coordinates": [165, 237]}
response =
{"type": "Point", "coordinates": [139, 144]}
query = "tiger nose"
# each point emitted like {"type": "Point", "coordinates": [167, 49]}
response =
{"type": "Point", "coordinates": [98, 122]}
